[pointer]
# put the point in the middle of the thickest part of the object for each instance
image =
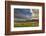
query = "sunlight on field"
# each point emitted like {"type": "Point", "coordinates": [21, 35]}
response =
{"type": "Point", "coordinates": [26, 24]}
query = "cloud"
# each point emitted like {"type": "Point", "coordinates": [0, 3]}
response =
{"type": "Point", "coordinates": [22, 13]}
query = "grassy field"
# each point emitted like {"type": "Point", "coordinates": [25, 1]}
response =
{"type": "Point", "coordinates": [26, 24]}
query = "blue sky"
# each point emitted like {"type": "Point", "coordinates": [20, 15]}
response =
{"type": "Point", "coordinates": [22, 13]}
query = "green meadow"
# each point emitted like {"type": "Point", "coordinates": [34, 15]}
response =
{"type": "Point", "coordinates": [26, 24]}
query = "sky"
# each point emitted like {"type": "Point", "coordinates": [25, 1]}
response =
{"type": "Point", "coordinates": [22, 13]}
